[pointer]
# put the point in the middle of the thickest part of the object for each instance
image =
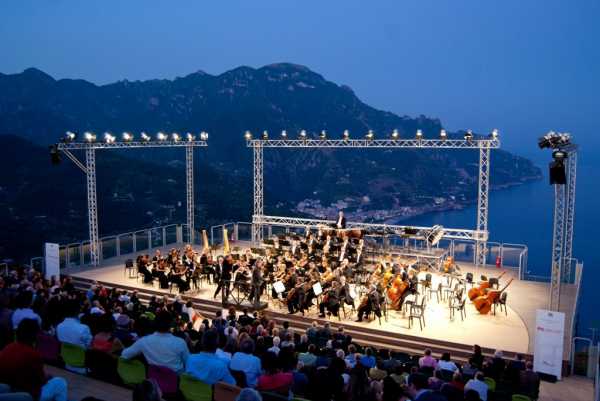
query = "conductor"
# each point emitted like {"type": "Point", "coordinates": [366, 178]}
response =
{"type": "Point", "coordinates": [341, 221]}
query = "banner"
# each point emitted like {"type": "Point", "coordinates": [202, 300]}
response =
{"type": "Point", "coordinates": [51, 261]}
{"type": "Point", "coordinates": [549, 342]}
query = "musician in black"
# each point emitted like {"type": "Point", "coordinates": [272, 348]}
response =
{"type": "Point", "coordinates": [331, 301]}
{"type": "Point", "coordinates": [341, 221]}
{"type": "Point", "coordinates": [257, 281]}
{"type": "Point", "coordinates": [296, 297]}
{"type": "Point", "coordinates": [142, 266]}
{"type": "Point", "coordinates": [370, 303]}
{"type": "Point", "coordinates": [225, 267]}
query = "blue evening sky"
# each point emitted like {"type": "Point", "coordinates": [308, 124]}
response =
{"type": "Point", "coordinates": [522, 66]}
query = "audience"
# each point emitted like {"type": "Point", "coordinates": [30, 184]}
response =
{"type": "Point", "coordinates": [478, 384]}
{"type": "Point", "coordinates": [206, 366]}
{"type": "Point", "coordinates": [427, 361]}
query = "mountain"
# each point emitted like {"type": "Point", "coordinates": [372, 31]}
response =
{"type": "Point", "coordinates": [371, 184]}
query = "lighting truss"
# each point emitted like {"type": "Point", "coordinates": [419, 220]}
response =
{"type": "Point", "coordinates": [480, 234]}
{"type": "Point", "coordinates": [89, 168]}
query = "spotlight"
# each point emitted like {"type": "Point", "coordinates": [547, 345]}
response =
{"type": "Point", "coordinates": [303, 134]}
{"type": "Point", "coordinates": [265, 135]}
{"type": "Point", "coordinates": [204, 135]}
{"type": "Point", "coordinates": [70, 136]}
{"type": "Point", "coordinates": [554, 140]}
{"type": "Point", "coordinates": [284, 134]}
{"type": "Point", "coordinates": [346, 135]}
{"type": "Point", "coordinates": [161, 136]}
{"type": "Point", "coordinates": [190, 137]}
{"type": "Point", "coordinates": [175, 136]}
{"type": "Point", "coordinates": [443, 135]}
{"type": "Point", "coordinates": [419, 134]}
{"type": "Point", "coordinates": [248, 135]}
{"type": "Point", "coordinates": [395, 134]}
{"type": "Point", "coordinates": [89, 137]}
{"type": "Point", "coordinates": [127, 137]}
{"type": "Point", "coordinates": [109, 138]}
{"type": "Point", "coordinates": [494, 134]}
{"type": "Point", "coordinates": [469, 135]}
{"type": "Point", "coordinates": [323, 135]}
{"type": "Point", "coordinates": [145, 137]}
{"type": "Point", "coordinates": [370, 135]}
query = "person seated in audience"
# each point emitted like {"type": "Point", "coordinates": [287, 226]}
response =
{"type": "Point", "coordinates": [457, 381]}
{"type": "Point", "coordinates": [123, 330]}
{"type": "Point", "coordinates": [249, 394]}
{"type": "Point", "coordinates": [446, 364]}
{"type": "Point", "coordinates": [427, 361]}
{"type": "Point", "coordinates": [247, 363]}
{"type": "Point", "coordinates": [476, 358]}
{"type": "Point", "coordinates": [245, 319]}
{"type": "Point", "coordinates": [478, 384]}
{"type": "Point", "coordinates": [529, 382]}
{"type": "Point", "coordinates": [377, 372]}
{"type": "Point", "coordinates": [24, 300]}
{"type": "Point", "coordinates": [275, 348]}
{"type": "Point", "coordinates": [105, 340]}
{"type": "Point", "coordinates": [350, 359]}
{"type": "Point", "coordinates": [472, 395]}
{"type": "Point", "coordinates": [497, 366]}
{"type": "Point", "coordinates": [22, 367]}
{"type": "Point", "coordinates": [418, 391]}
{"type": "Point", "coordinates": [435, 382]}
{"type": "Point", "coordinates": [161, 348]}
{"type": "Point", "coordinates": [72, 331]}
{"type": "Point", "coordinates": [274, 379]}
{"type": "Point", "coordinates": [227, 350]}
{"type": "Point", "coordinates": [206, 366]}
{"type": "Point", "coordinates": [368, 360]}
{"type": "Point", "coordinates": [309, 358]}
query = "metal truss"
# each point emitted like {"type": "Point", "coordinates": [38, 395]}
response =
{"type": "Point", "coordinates": [480, 234]}
{"type": "Point", "coordinates": [90, 161]}
{"type": "Point", "coordinates": [449, 233]}
{"type": "Point", "coordinates": [90, 170]}
{"type": "Point", "coordinates": [562, 234]}
{"type": "Point", "coordinates": [482, 204]}
{"type": "Point", "coordinates": [377, 143]}
{"type": "Point", "coordinates": [257, 232]}
{"type": "Point", "coordinates": [189, 174]}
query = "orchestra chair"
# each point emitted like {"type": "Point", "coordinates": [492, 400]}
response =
{"type": "Point", "coordinates": [101, 365]}
{"type": "Point", "coordinates": [437, 291]}
{"type": "Point", "coordinates": [225, 392]}
{"type": "Point", "coordinates": [193, 389]}
{"type": "Point", "coordinates": [494, 283]}
{"type": "Point", "coordinates": [73, 355]}
{"type": "Point", "coordinates": [166, 379]}
{"type": "Point", "coordinates": [491, 384]}
{"type": "Point", "coordinates": [49, 347]}
{"type": "Point", "coordinates": [409, 301]}
{"type": "Point", "coordinates": [449, 292]}
{"type": "Point", "coordinates": [417, 311]}
{"type": "Point", "coordinates": [501, 303]}
{"type": "Point", "coordinates": [426, 284]}
{"type": "Point", "coordinates": [131, 371]}
{"type": "Point", "coordinates": [469, 279]}
{"type": "Point", "coordinates": [130, 269]}
{"type": "Point", "coordinates": [458, 305]}
{"type": "Point", "coordinates": [446, 284]}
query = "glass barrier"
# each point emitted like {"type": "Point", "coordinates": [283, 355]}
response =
{"type": "Point", "coordinates": [108, 246]}
{"type": "Point", "coordinates": [74, 254]}
{"type": "Point", "coordinates": [126, 243]}
{"type": "Point", "coordinates": [171, 234]}
{"type": "Point", "coordinates": [464, 251]}
{"type": "Point", "coordinates": [156, 236]}
{"type": "Point", "coordinates": [85, 250]}
{"type": "Point", "coordinates": [141, 241]}
{"type": "Point", "coordinates": [62, 257]}
{"type": "Point", "coordinates": [244, 231]}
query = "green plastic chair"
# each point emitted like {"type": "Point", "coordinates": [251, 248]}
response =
{"type": "Point", "coordinates": [193, 389]}
{"type": "Point", "coordinates": [131, 371]}
{"type": "Point", "coordinates": [299, 399]}
{"type": "Point", "coordinates": [72, 355]}
{"type": "Point", "coordinates": [520, 397]}
{"type": "Point", "coordinates": [491, 383]}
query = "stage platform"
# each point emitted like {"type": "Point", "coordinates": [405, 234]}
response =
{"type": "Point", "coordinates": [511, 332]}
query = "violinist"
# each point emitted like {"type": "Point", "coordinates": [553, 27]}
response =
{"type": "Point", "coordinates": [161, 273]}
{"type": "Point", "coordinates": [188, 257]}
{"type": "Point", "coordinates": [142, 266]}
{"type": "Point", "coordinates": [344, 293]}
{"type": "Point", "coordinates": [331, 301]}
{"type": "Point", "coordinates": [370, 303]}
{"type": "Point", "coordinates": [157, 258]}
{"type": "Point", "coordinates": [178, 277]}
{"type": "Point", "coordinates": [241, 277]}
{"type": "Point", "coordinates": [296, 297]}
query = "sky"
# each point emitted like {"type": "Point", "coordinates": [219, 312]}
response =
{"type": "Point", "coordinates": [524, 67]}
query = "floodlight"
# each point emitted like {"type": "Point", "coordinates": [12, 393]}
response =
{"type": "Point", "coordinates": [419, 134]}
{"type": "Point", "coordinates": [303, 134]}
{"type": "Point", "coordinates": [145, 137]}
{"type": "Point", "coordinates": [346, 135]}
{"type": "Point", "coordinates": [494, 134]}
{"type": "Point", "coordinates": [127, 137]}
{"type": "Point", "coordinates": [70, 136]}
{"type": "Point", "coordinates": [190, 137]}
{"type": "Point", "coordinates": [395, 134]}
{"type": "Point", "coordinates": [204, 135]}
{"type": "Point", "coordinates": [323, 135]}
{"type": "Point", "coordinates": [284, 134]}
{"type": "Point", "coordinates": [443, 135]}
{"type": "Point", "coordinates": [370, 135]}
{"type": "Point", "coordinates": [89, 136]}
{"type": "Point", "coordinates": [161, 136]}
{"type": "Point", "coordinates": [175, 136]}
{"type": "Point", "coordinates": [108, 137]}
{"type": "Point", "coordinates": [265, 135]}
{"type": "Point", "coordinates": [469, 135]}
{"type": "Point", "coordinates": [248, 135]}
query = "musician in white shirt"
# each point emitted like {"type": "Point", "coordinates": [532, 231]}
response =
{"type": "Point", "coordinates": [341, 221]}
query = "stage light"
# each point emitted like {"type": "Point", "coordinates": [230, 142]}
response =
{"type": "Point", "coordinates": [127, 137]}
{"type": "Point", "coordinates": [265, 135]}
{"type": "Point", "coordinates": [70, 136]}
{"type": "Point", "coordinates": [161, 136]}
{"type": "Point", "coordinates": [284, 134]}
{"type": "Point", "coordinates": [346, 135]}
{"type": "Point", "coordinates": [248, 135]}
{"type": "Point", "coordinates": [89, 136]}
{"type": "Point", "coordinates": [204, 136]}
{"type": "Point", "coordinates": [323, 135]}
{"type": "Point", "coordinates": [109, 138]}
{"type": "Point", "coordinates": [190, 137]}
{"type": "Point", "coordinates": [494, 134]}
{"type": "Point", "coordinates": [468, 135]}
{"type": "Point", "coordinates": [419, 134]}
{"type": "Point", "coordinates": [145, 137]}
{"type": "Point", "coordinates": [554, 140]}
{"type": "Point", "coordinates": [370, 135]}
{"type": "Point", "coordinates": [443, 135]}
{"type": "Point", "coordinates": [175, 136]}
{"type": "Point", "coordinates": [303, 134]}
{"type": "Point", "coordinates": [395, 134]}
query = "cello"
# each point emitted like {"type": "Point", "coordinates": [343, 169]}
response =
{"type": "Point", "coordinates": [481, 290]}
{"type": "Point", "coordinates": [484, 303]}
{"type": "Point", "coordinates": [396, 290]}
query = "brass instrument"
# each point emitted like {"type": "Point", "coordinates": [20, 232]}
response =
{"type": "Point", "coordinates": [226, 249]}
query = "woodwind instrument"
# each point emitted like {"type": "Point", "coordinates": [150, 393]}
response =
{"type": "Point", "coordinates": [205, 244]}
{"type": "Point", "coordinates": [226, 249]}
{"type": "Point", "coordinates": [343, 251]}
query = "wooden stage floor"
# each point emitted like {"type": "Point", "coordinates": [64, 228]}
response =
{"type": "Point", "coordinates": [512, 332]}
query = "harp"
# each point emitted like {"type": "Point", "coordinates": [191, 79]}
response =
{"type": "Point", "coordinates": [225, 242]}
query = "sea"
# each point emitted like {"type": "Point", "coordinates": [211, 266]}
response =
{"type": "Point", "coordinates": [524, 215]}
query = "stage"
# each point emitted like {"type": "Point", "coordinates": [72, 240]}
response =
{"type": "Point", "coordinates": [512, 332]}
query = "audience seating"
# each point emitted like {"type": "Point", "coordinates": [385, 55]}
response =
{"type": "Point", "coordinates": [165, 378]}
{"type": "Point", "coordinates": [49, 347]}
{"type": "Point", "coordinates": [240, 378]}
{"type": "Point", "coordinates": [225, 392]}
{"type": "Point", "coordinates": [131, 371]}
{"type": "Point", "coordinates": [193, 389]}
{"type": "Point", "coordinates": [102, 366]}
{"type": "Point", "coordinates": [73, 355]}
{"type": "Point", "coordinates": [491, 384]}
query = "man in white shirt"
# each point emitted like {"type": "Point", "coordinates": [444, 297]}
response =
{"type": "Point", "coordinates": [341, 221]}
{"type": "Point", "coordinates": [24, 310]}
{"type": "Point", "coordinates": [478, 384]}
{"type": "Point", "coordinates": [246, 362]}
{"type": "Point", "coordinates": [72, 331]}
{"type": "Point", "coordinates": [161, 348]}
{"type": "Point", "coordinates": [275, 348]}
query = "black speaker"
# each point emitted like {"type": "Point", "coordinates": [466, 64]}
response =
{"type": "Point", "coordinates": [557, 173]}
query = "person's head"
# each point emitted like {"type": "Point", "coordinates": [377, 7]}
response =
{"type": "Point", "coordinates": [427, 352]}
{"type": "Point", "coordinates": [163, 322]}
{"type": "Point", "coordinates": [247, 346]}
{"type": "Point", "coordinates": [416, 382]}
{"type": "Point", "coordinates": [351, 349]}
{"type": "Point", "coordinates": [24, 299]}
{"type": "Point", "coordinates": [27, 331]}
{"type": "Point", "coordinates": [312, 348]}
{"type": "Point", "coordinates": [529, 365]}
{"type": "Point", "coordinates": [249, 394]}
{"type": "Point", "coordinates": [210, 341]}
{"type": "Point", "coordinates": [498, 354]}
{"type": "Point", "coordinates": [340, 353]}
{"type": "Point", "coordinates": [476, 349]}
{"type": "Point", "coordinates": [147, 390]}
{"type": "Point", "coordinates": [276, 341]}
{"type": "Point", "coordinates": [472, 395]}
{"type": "Point", "coordinates": [479, 376]}
{"type": "Point", "coordinates": [445, 357]}
{"type": "Point", "coordinates": [457, 376]}
{"type": "Point", "coordinates": [72, 308]}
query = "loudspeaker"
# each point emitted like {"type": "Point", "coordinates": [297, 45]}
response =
{"type": "Point", "coordinates": [557, 173]}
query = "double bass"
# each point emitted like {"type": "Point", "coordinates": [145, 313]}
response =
{"type": "Point", "coordinates": [481, 290]}
{"type": "Point", "coordinates": [396, 291]}
{"type": "Point", "coordinates": [484, 303]}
